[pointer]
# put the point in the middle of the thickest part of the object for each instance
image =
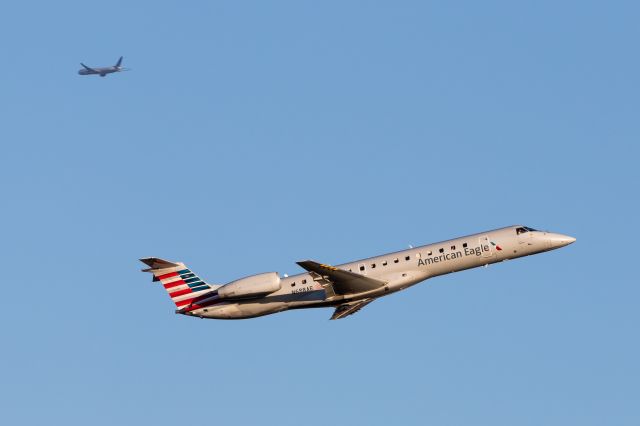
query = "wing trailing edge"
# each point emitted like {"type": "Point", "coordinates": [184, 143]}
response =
{"type": "Point", "coordinates": [343, 282]}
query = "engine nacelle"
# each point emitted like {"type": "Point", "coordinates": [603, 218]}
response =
{"type": "Point", "coordinates": [253, 286]}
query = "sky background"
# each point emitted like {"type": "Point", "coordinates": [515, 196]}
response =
{"type": "Point", "coordinates": [250, 135]}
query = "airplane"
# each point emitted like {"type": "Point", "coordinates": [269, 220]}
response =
{"type": "Point", "coordinates": [347, 287]}
{"type": "Point", "coordinates": [102, 71]}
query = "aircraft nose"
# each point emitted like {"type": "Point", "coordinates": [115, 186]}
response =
{"type": "Point", "coordinates": [559, 240]}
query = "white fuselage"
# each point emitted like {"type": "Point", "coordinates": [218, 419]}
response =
{"type": "Point", "coordinates": [399, 270]}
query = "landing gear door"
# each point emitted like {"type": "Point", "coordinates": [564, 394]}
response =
{"type": "Point", "coordinates": [485, 246]}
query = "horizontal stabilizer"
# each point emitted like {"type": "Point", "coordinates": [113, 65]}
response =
{"type": "Point", "coordinates": [157, 263]}
{"type": "Point", "coordinates": [344, 282]}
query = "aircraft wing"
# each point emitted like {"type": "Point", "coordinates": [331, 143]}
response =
{"type": "Point", "coordinates": [90, 69]}
{"type": "Point", "coordinates": [350, 308]}
{"type": "Point", "coordinates": [343, 282]}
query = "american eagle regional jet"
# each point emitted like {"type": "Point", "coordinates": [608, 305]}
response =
{"type": "Point", "coordinates": [347, 287]}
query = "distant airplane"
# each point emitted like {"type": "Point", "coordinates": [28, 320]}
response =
{"type": "Point", "coordinates": [347, 287]}
{"type": "Point", "coordinates": [102, 71]}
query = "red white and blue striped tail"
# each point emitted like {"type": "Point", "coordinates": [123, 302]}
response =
{"type": "Point", "coordinates": [182, 285]}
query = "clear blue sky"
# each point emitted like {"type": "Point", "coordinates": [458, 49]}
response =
{"type": "Point", "coordinates": [253, 134]}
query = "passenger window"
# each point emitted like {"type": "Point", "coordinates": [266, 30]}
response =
{"type": "Point", "coordinates": [373, 265]}
{"type": "Point", "coordinates": [441, 250]}
{"type": "Point", "coordinates": [384, 263]}
{"type": "Point", "coordinates": [362, 268]}
{"type": "Point", "coordinates": [453, 247]}
{"type": "Point", "coordinates": [304, 281]}
{"type": "Point", "coordinates": [407, 257]}
{"type": "Point", "coordinates": [464, 245]}
{"type": "Point", "coordinates": [293, 284]}
{"type": "Point", "coordinates": [395, 260]}
{"type": "Point", "coordinates": [429, 253]}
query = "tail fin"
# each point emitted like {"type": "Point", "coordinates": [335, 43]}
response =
{"type": "Point", "coordinates": [119, 62]}
{"type": "Point", "coordinates": [182, 285]}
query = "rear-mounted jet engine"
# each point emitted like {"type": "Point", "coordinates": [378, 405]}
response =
{"type": "Point", "coordinates": [253, 286]}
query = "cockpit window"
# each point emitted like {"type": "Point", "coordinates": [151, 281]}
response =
{"type": "Point", "coordinates": [523, 229]}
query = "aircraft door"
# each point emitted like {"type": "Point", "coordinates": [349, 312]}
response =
{"type": "Point", "coordinates": [485, 246]}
